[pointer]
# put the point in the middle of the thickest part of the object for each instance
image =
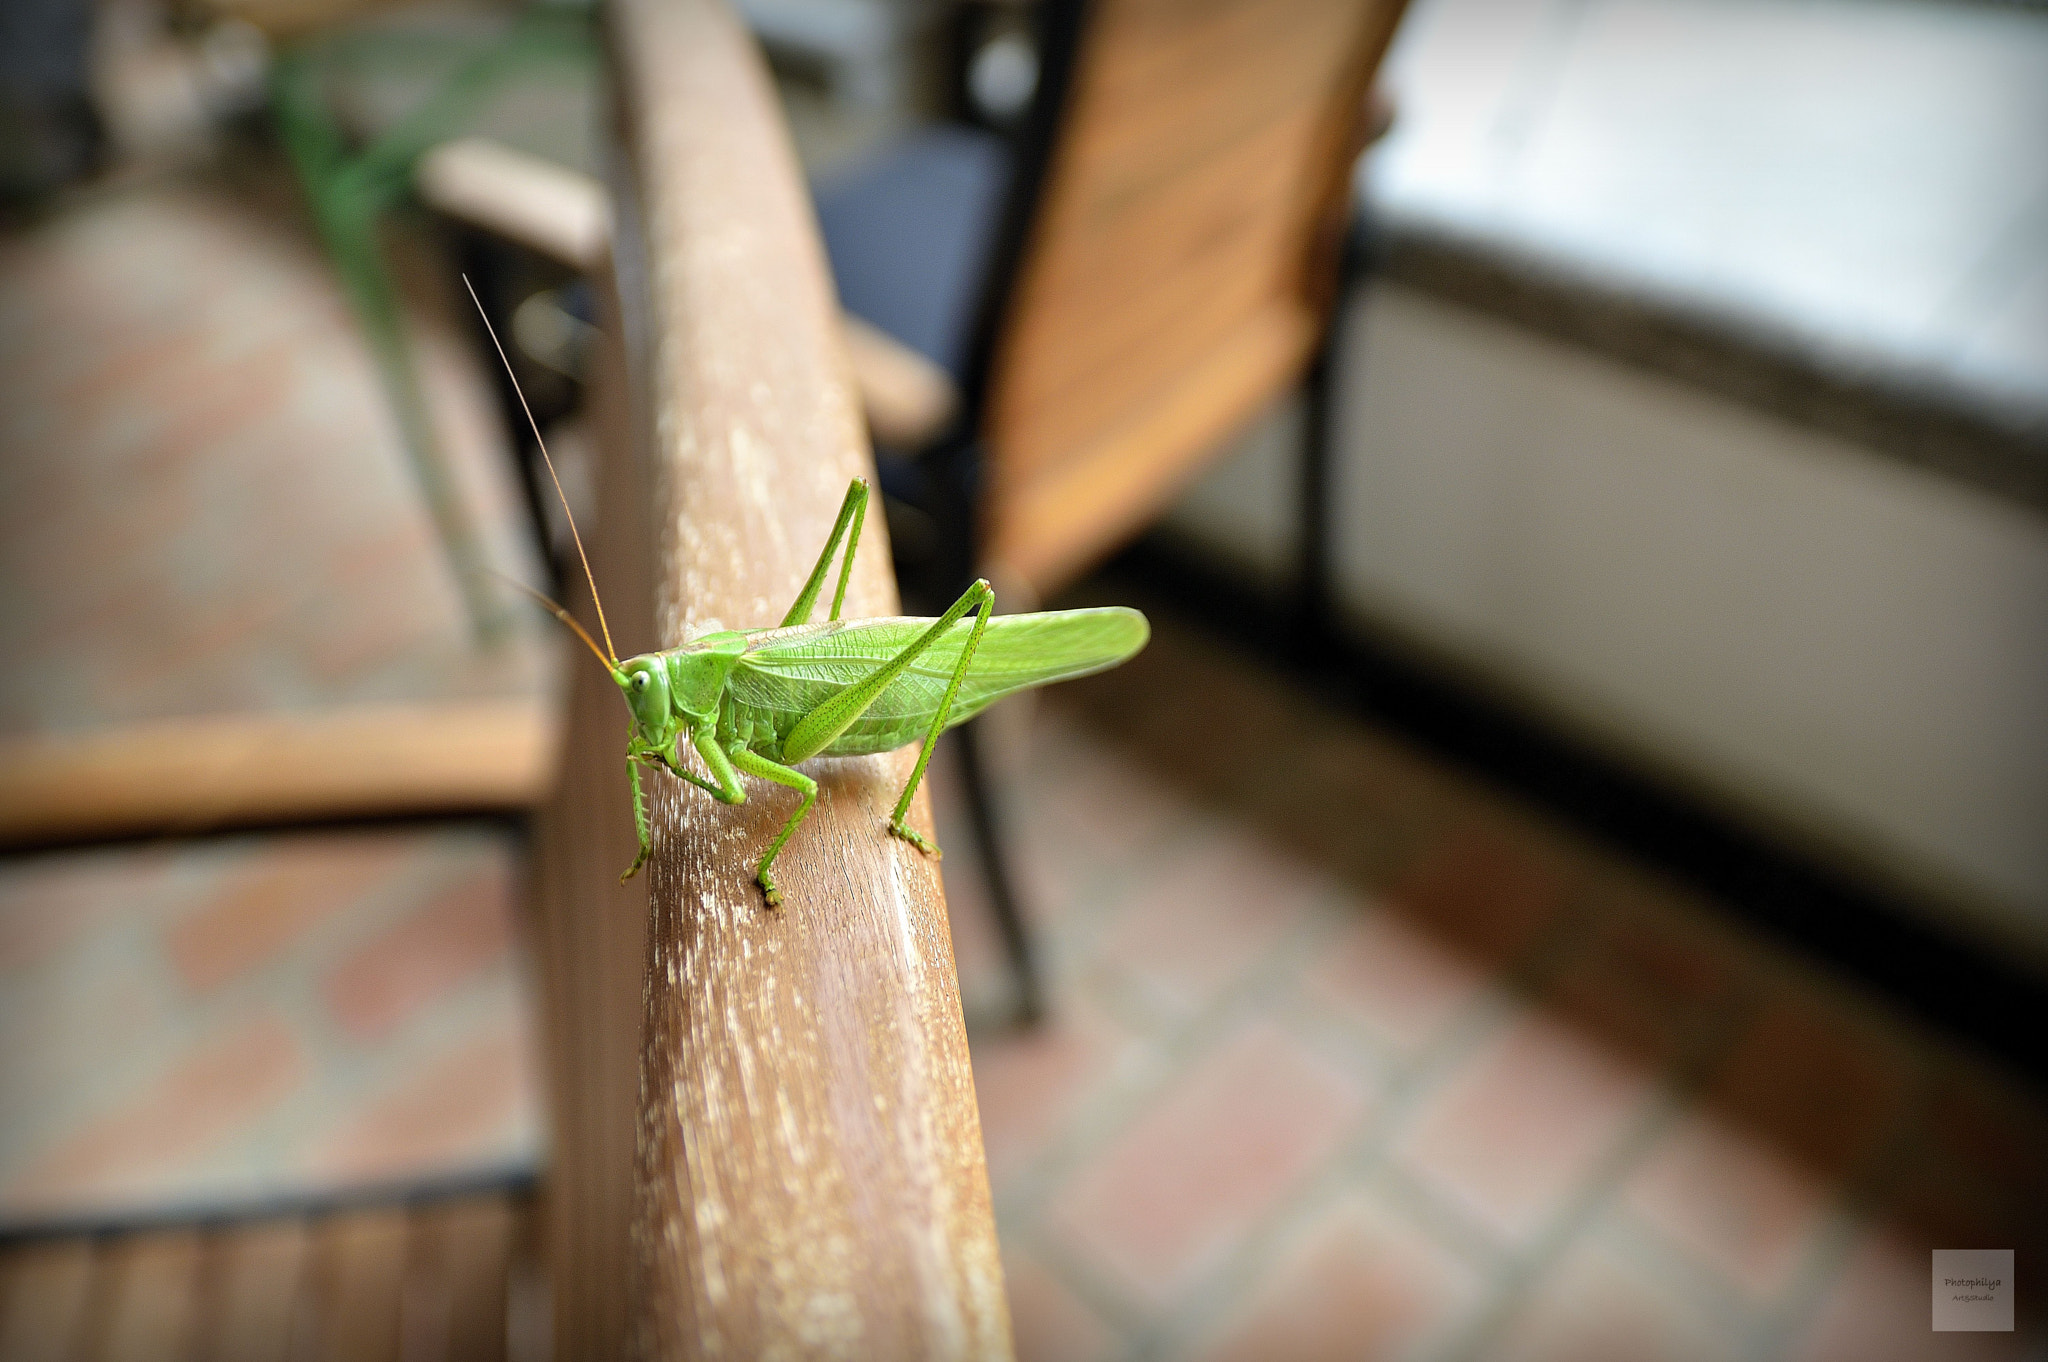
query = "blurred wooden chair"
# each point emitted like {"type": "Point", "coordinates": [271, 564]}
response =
{"type": "Point", "coordinates": [230, 613]}
{"type": "Point", "coordinates": [242, 693]}
{"type": "Point", "coordinates": [1121, 285]}
{"type": "Point", "coordinates": [353, 175]}
{"type": "Point", "coordinates": [213, 670]}
{"type": "Point", "coordinates": [1114, 291]}
{"type": "Point", "coordinates": [1053, 332]}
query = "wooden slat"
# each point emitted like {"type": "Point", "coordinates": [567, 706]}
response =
{"type": "Point", "coordinates": [145, 1302]}
{"type": "Point", "coordinates": [455, 1294]}
{"type": "Point", "coordinates": [427, 1285]}
{"type": "Point", "coordinates": [1150, 372]}
{"type": "Point", "coordinates": [248, 1291]}
{"type": "Point", "coordinates": [565, 215]}
{"type": "Point", "coordinates": [1185, 230]}
{"type": "Point", "coordinates": [357, 1265]}
{"type": "Point", "coordinates": [909, 400]}
{"type": "Point", "coordinates": [1212, 206]}
{"type": "Point", "coordinates": [202, 774]}
{"type": "Point", "coordinates": [43, 1293]}
{"type": "Point", "coordinates": [1168, 85]}
{"type": "Point", "coordinates": [559, 212]}
{"type": "Point", "coordinates": [480, 1242]}
{"type": "Point", "coordinates": [810, 1180]}
{"type": "Point", "coordinates": [1208, 228]}
{"type": "Point", "coordinates": [1054, 526]}
{"type": "Point", "coordinates": [250, 1286]}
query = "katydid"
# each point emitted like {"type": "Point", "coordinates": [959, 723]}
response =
{"type": "Point", "coordinates": [758, 701]}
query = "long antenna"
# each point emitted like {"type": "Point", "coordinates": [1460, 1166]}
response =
{"type": "Point", "coordinates": [588, 576]}
{"type": "Point", "coordinates": [559, 613]}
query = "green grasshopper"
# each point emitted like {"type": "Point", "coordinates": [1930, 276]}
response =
{"type": "Point", "coordinates": [758, 701]}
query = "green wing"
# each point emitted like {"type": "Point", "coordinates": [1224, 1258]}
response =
{"type": "Point", "coordinates": [786, 673]}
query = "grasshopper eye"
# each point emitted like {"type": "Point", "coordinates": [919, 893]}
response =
{"type": "Point", "coordinates": [639, 680]}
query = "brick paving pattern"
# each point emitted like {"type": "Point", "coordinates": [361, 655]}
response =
{"type": "Point", "coordinates": [1355, 1058]}
{"type": "Point", "coordinates": [157, 1060]}
{"type": "Point", "coordinates": [204, 504]}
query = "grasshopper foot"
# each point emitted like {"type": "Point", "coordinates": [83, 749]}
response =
{"type": "Point", "coordinates": [917, 839]}
{"type": "Point", "coordinates": [634, 868]}
{"type": "Point", "coordinates": [768, 889]}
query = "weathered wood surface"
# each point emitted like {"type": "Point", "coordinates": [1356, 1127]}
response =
{"type": "Point", "coordinates": [809, 1179]}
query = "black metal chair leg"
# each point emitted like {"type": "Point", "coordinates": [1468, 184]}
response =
{"type": "Point", "coordinates": [1313, 600]}
{"type": "Point", "coordinates": [1316, 591]}
{"type": "Point", "coordinates": [996, 874]}
{"type": "Point", "coordinates": [949, 477]}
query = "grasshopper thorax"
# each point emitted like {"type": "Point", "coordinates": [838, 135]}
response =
{"type": "Point", "coordinates": [685, 683]}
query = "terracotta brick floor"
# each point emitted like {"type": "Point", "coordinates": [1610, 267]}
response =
{"type": "Point", "coordinates": [264, 1015]}
{"type": "Point", "coordinates": [205, 507]}
{"type": "Point", "coordinates": [1352, 1057]}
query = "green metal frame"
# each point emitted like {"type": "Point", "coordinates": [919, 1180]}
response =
{"type": "Point", "coordinates": [350, 189]}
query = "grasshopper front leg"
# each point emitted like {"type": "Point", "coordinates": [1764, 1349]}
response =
{"type": "Point", "coordinates": [756, 765]}
{"type": "Point", "coordinates": [730, 791]}
{"type": "Point", "coordinates": [725, 786]}
{"type": "Point", "coordinates": [639, 818]}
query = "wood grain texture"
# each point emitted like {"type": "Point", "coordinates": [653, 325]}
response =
{"type": "Point", "coordinates": [44, 1292]}
{"type": "Point", "coordinates": [1053, 527]}
{"type": "Point", "coordinates": [423, 1283]}
{"type": "Point", "coordinates": [1178, 273]}
{"type": "Point", "coordinates": [249, 1289]}
{"type": "Point", "coordinates": [810, 1178]}
{"type": "Point", "coordinates": [145, 1302]}
{"type": "Point", "coordinates": [590, 932]}
{"type": "Point", "coordinates": [205, 774]}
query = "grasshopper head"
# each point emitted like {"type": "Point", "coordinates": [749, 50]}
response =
{"type": "Point", "coordinates": [644, 681]}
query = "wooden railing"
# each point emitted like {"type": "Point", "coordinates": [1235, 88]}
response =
{"type": "Point", "coordinates": [801, 1170]}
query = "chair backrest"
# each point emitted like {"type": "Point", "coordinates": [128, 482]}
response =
{"type": "Point", "coordinates": [1172, 272]}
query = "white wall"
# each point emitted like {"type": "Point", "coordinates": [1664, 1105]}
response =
{"type": "Point", "coordinates": [1836, 643]}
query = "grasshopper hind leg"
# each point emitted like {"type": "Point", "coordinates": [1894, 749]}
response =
{"type": "Point", "coordinates": [916, 839]}
{"type": "Point", "coordinates": [852, 515]}
{"type": "Point", "coordinates": [981, 599]}
{"type": "Point", "coordinates": [816, 730]}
